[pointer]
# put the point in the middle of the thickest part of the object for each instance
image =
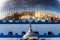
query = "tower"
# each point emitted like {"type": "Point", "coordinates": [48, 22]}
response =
{"type": "Point", "coordinates": [30, 35]}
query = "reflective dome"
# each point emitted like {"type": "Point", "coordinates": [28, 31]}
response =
{"type": "Point", "coordinates": [30, 34]}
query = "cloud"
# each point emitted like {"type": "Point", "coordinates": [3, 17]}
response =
{"type": "Point", "coordinates": [23, 4]}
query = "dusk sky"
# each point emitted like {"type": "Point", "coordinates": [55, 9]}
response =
{"type": "Point", "coordinates": [8, 6]}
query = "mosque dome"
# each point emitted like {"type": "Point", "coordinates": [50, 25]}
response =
{"type": "Point", "coordinates": [30, 34]}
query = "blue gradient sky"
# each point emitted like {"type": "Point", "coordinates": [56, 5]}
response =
{"type": "Point", "coordinates": [41, 28]}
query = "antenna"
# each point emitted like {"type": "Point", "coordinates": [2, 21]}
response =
{"type": "Point", "coordinates": [30, 23]}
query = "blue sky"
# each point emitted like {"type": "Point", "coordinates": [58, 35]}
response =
{"type": "Point", "coordinates": [41, 28]}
